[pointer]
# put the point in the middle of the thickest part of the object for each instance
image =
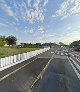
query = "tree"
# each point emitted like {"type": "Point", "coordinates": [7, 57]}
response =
{"type": "Point", "coordinates": [38, 44]}
{"type": "Point", "coordinates": [75, 43]}
{"type": "Point", "coordinates": [2, 40]}
{"type": "Point", "coordinates": [61, 43]}
{"type": "Point", "coordinates": [11, 40]}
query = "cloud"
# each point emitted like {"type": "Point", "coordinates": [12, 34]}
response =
{"type": "Point", "coordinates": [3, 25]}
{"type": "Point", "coordinates": [47, 39]}
{"type": "Point", "coordinates": [43, 38]}
{"type": "Point", "coordinates": [68, 8]}
{"type": "Point", "coordinates": [25, 10]}
{"type": "Point", "coordinates": [45, 2]}
{"type": "Point", "coordinates": [51, 35]}
{"type": "Point", "coordinates": [71, 34]}
{"type": "Point", "coordinates": [69, 39]}
{"type": "Point", "coordinates": [30, 10]}
{"type": "Point", "coordinates": [4, 6]}
{"type": "Point", "coordinates": [41, 29]}
{"type": "Point", "coordinates": [29, 2]}
{"type": "Point", "coordinates": [30, 31]}
{"type": "Point", "coordinates": [6, 24]}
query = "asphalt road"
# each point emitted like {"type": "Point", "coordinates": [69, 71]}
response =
{"type": "Point", "coordinates": [63, 73]}
{"type": "Point", "coordinates": [19, 78]}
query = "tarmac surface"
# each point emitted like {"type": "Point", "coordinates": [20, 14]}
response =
{"type": "Point", "coordinates": [62, 73]}
{"type": "Point", "coordinates": [60, 76]}
{"type": "Point", "coordinates": [20, 77]}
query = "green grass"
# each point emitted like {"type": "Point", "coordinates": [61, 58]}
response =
{"type": "Point", "coordinates": [4, 52]}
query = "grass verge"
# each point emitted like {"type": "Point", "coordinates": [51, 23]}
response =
{"type": "Point", "coordinates": [4, 52]}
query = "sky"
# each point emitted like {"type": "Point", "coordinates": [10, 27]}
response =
{"type": "Point", "coordinates": [34, 21]}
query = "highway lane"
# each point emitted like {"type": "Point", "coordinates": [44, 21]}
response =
{"type": "Point", "coordinates": [47, 54]}
{"type": "Point", "coordinates": [19, 78]}
{"type": "Point", "coordinates": [61, 76]}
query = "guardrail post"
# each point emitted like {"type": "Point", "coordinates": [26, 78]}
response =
{"type": "Point", "coordinates": [12, 59]}
{"type": "Point", "coordinates": [15, 59]}
{"type": "Point", "coordinates": [6, 60]}
{"type": "Point", "coordinates": [1, 62]}
{"type": "Point", "coordinates": [9, 58]}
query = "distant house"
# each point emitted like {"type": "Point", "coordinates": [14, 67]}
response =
{"type": "Point", "coordinates": [6, 45]}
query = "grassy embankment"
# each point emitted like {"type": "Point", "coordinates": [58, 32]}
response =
{"type": "Point", "coordinates": [4, 52]}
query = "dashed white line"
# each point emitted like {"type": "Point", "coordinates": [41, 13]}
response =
{"type": "Point", "coordinates": [42, 72]}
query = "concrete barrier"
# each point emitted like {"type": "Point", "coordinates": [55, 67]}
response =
{"type": "Point", "coordinates": [15, 59]}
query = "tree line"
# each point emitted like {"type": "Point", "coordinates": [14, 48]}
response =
{"type": "Point", "coordinates": [10, 40]}
{"type": "Point", "coordinates": [76, 45]}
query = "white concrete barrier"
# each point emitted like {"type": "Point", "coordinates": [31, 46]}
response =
{"type": "Point", "coordinates": [13, 60]}
{"type": "Point", "coordinates": [1, 63]}
{"type": "Point", "coordinates": [7, 60]}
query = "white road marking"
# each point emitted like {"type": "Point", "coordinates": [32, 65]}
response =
{"type": "Point", "coordinates": [44, 57]}
{"type": "Point", "coordinates": [57, 52]}
{"type": "Point", "coordinates": [4, 77]}
{"type": "Point", "coordinates": [75, 57]}
{"type": "Point", "coordinates": [74, 54]}
{"type": "Point", "coordinates": [62, 53]}
{"type": "Point", "coordinates": [71, 54]}
{"type": "Point", "coordinates": [78, 75]}
{"type": "Point", "coordinates": [42, 72]}
{"type": "Point", "coordinates": [75, 64]}
{"type": "Point", "coordinates": [52, 52]}
{"type": "Point", "coordinates": [78, 59]}
{"type": "Point", "coordinates": [66, 53]}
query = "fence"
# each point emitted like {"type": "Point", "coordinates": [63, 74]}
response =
{"type": "Point", "coordinates": [13, 60]}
